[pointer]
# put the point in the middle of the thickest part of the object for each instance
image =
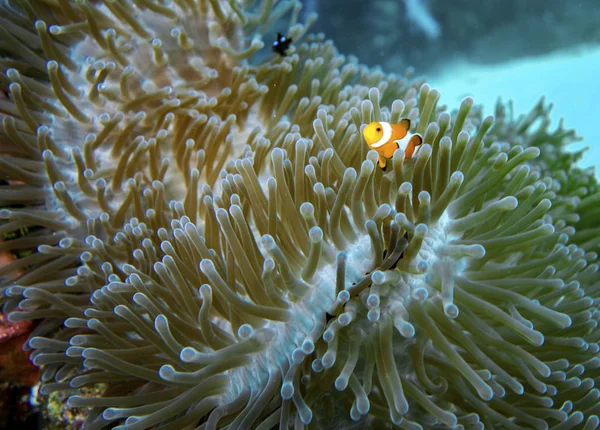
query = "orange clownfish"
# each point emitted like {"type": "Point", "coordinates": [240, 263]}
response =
{"type": "Point", "coordinates": [385, 138]}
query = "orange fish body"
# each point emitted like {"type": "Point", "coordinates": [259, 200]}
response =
{"type": "Point", "coordinates": [386, 138]}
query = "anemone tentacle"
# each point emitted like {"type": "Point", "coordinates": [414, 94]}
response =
{"type": "Point", "coordinates": [216, 246]}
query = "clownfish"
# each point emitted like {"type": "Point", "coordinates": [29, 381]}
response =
{"type": "Point", "coordinates": [385, 138]}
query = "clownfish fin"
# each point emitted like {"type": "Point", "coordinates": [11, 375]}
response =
{"type": "Point", "coordinates": [403, 126]}
{"type": "Point", "coordinates": [416, 140]}
{"type": "Point", "coordinates": [382, 163]}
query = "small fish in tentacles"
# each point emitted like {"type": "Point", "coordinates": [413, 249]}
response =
{"type": "Point", "coordinates": [386, 138]}
{"type": "Point", "coordinates": [282, 44]}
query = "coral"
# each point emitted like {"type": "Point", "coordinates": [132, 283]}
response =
{"type": "Point", "coordinates": [15, 366]}
{"type": "Point", "coordinates": [17, 373]}
{"type": "Point", "coordinates": [218, 248]}
{"type": "Point", "coordinates": [57, 414]}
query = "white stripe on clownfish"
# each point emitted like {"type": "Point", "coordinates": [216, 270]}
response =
{"type": "Point", "coordinates": [387, 135]}
{"type": "Point", "coordinates": [403, 143]}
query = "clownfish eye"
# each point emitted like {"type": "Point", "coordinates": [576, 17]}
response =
{"type": "Point", "coordinates": [378, 129]}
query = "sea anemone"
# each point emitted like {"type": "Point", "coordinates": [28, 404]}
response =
{"type": "Point", "coordinates": [577, 190]}
{"type": "Point", "coordinates": [218, 247]}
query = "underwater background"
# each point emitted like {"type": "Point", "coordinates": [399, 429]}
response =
{"type": "Point", "coordinates": [52, 198]}
{"type": "Point", "coordinates": [515, 50]}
